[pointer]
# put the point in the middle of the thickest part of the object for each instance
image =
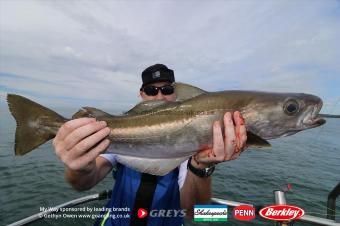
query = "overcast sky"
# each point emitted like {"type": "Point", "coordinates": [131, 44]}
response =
{"type": "Point", "coordinates": [78, 53]}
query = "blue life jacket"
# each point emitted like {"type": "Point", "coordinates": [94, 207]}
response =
{"type": "Point", "coordinates": [166, 197]}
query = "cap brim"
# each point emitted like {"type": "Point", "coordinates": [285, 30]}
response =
{"type": "Point", "coordinates": [157, 80]}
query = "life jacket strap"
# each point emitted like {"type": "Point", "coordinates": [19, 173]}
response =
{"type": "Point", "coordinates": [144, 197]}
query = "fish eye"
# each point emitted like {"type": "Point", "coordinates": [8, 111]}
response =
{"type": "Point", "coordinates": [291, 107]}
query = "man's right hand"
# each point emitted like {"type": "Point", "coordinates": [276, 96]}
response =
{"type": "Point", "coordinates": [79, 142]}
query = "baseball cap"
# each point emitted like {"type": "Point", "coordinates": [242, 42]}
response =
{"type": "Point", "coordinates": [157, 73]}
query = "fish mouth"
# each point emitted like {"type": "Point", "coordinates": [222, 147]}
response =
{"type": "Point", "coordinates": [313, 119]}
{"type": "Point", "coordinates": [315, 122]}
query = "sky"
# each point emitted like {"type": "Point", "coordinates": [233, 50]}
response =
{"type": "Point", "coordinates": [92, 53]}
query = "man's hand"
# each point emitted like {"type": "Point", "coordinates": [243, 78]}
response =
{"type": "Point", "coordinates": [197, 189]}
{"type": "Point", "coordinates": [79, 142]}
{"type": "Point", "coordinates": [227, 148]}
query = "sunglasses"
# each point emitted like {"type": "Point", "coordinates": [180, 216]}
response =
{"type": "Point", "coordinates": [153, 90]}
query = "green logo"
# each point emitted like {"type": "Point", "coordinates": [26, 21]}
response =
{"type": "Point", "coordinates": [211, 213]}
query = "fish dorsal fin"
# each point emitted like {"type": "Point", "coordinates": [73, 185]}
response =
{"type": "Point", "coordinates": [185, 91]}
{"type": "Point", "coordinates": [91, 112]}
{"type": "Point", "coordinates": [255, 141]}
{"type": "Point", "coordinates": [146, 106]}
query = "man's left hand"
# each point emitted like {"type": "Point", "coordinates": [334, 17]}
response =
{"type": "Point", "coordinates": [228, 147]}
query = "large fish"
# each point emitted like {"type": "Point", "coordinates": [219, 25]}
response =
{"type": "Point", "coordinates": [156, 136]}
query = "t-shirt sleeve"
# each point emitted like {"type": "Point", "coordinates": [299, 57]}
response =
{"type": "Point", "coordinates": [182, 174]}
{"type": "Point", "coordinates": [110, 157]}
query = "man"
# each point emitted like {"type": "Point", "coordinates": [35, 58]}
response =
{"type": "Point", "coordinates": [80, 142]}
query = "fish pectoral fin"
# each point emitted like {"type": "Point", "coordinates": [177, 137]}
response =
{"type": "Point", "coordinates": [154, 166]}
{"type": "Point", "coordinates": [91, 112]}
{"type": "Point", "coordinates": [185, 91]}
{"type": "Point", "coordinates": [254, 141]}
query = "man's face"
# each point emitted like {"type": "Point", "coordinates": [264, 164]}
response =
{"type": "Point", "coordinates": [159, 96]}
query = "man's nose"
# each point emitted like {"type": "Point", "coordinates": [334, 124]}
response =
{"type": "Point", "coordinates": [159, 96]}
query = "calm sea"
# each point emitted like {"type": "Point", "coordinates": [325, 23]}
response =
{"type": "Point", "coordinates": [309, 161]}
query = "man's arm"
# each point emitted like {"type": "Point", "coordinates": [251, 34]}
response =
{"type": "Point", "coordinates": [78, 144]}
{"type": "Point", "coordinates": [197, 189]}
{"type": "Point", "coordinates": [83, 180]}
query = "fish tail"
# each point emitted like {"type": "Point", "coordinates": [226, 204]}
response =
{"type": "Point", "coordinates": [36, 124]}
